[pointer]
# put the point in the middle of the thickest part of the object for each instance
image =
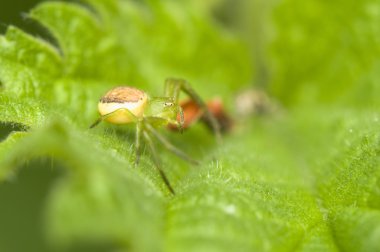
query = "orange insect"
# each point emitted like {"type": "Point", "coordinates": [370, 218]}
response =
{"type": "Point", "coordinates": [193, 113]}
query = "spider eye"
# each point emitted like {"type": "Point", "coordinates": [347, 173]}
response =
{"type": "Point", "coordinates": [168, 104]}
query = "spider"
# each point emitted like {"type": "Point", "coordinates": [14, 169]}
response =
{"type": "Point", "coordinates": [125, 105]}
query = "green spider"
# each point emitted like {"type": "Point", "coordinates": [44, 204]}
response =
{"type": "Point", "coordinates": [125, 105]}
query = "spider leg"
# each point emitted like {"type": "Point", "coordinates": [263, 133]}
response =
{"type": "Point", "coordinates": [181, 119]}
{"type": "Point", "coordinates": [96, 122]}
{"type": "Point", "coordinates": [174, 86]}
{"type": "Point", "coordinates": [138, 143]}
{"type": "Point", "coordinates": [103, 117]}
{"type": "Point", "coordinates": [157, 161]}
{"type": "Point", "coordinates": [169, 146]}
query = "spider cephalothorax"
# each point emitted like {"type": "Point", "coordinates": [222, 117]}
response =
{"type": "Point", "coordinates": [124, 105]}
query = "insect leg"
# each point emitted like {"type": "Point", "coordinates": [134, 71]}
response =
{"type": "Point", "coordinates": [157, 161]}
{"type": "Point", "coordinates": [169, 146]}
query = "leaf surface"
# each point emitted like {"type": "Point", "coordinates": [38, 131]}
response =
{"type": "Point", "coordinates": [306, 179]}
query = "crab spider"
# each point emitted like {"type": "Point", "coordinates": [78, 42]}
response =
{"type": "Point", "coordinates": [125, 105]}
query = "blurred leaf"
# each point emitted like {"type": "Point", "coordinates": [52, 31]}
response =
{"type": "Point", "coordinates": [326, 51]}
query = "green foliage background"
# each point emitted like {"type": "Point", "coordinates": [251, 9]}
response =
{"type": "Point", "coordinates": [304, 178]}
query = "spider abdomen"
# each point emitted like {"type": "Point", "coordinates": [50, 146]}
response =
{"type": "Point", "coordinates": [125, 103]}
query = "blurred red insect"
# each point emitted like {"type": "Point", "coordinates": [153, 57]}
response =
{"type": "Point", "coordinates": [193, 113]}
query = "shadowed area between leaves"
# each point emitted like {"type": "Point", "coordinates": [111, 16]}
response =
{"type": "Point", "coordinates": [7, 128]}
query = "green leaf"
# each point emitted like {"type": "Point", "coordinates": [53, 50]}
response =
{"type": "Point", "coordinates": [97, 188]}
{"type": "Point", "coordinates": [27, 111]}
{"type": "Point", "coordinates": [53, 92]}
{"type": "Point", "coordinates": [306, 179]}
{"type": "Point", "coordinates": [6, 147]}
